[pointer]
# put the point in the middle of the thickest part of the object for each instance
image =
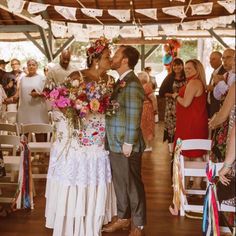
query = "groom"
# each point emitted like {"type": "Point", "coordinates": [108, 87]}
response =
{"type": "Point", "coordinates": [126, 145]}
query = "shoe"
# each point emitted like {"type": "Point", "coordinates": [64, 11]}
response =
{"type": "Point", "coordinates": [137, 232]}
{"type": "Point", "coordinates": [148, 149]}
{"type": "Point", "coordinates": [116, 225]}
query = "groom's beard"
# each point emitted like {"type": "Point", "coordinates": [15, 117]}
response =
{"type": "Point", "coordinates": [116, 65]}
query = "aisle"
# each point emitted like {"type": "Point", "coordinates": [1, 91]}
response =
{"type": "Point", "coordinates": [156, 176]}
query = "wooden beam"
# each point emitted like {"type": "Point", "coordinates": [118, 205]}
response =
{"type": "Point", "coordinates": [46, 45]}
{"type": "Point", "coordinates": [151, 51]}
{"type": "Point", "coordinates": [64, 46]}
{"type": "Point", "coordinates": [139, 41]}
{"type": "Point", "coordinates": [45, 16]}
{"type": "Point", "coordinates": [33, 40]}
{"type": "Point", "coordinates": [18, 28]}
{"type": "Point", "coordinates": [218, 38]}
{"type": "Point", "coordinates": [142, 56]}
{"type": "Point", "coordinates": [24, 14]}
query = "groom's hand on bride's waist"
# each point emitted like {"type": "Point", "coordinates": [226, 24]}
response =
{"type": "Point", "coordinates": [127, 149]}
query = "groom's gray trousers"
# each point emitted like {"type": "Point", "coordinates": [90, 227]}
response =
{"type": "Point", "coordinates": [129, 188]}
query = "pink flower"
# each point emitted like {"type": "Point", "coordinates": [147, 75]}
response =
{"type": "Point", "coordinates": [54, 94]}
{"type": "Point", "coordinates": [63, 102]}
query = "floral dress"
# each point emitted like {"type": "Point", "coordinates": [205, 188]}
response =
{"type": "Point", "coordinates": [79, 191]}
{"type": "Point", "coordinates": [170, 113]}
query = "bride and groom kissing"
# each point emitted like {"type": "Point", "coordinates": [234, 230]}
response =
{"type": "Point", "coordinates": [82, 178]}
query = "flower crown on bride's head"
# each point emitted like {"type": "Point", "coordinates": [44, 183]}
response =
{"type": "Point", "coordinates": [96, 48]}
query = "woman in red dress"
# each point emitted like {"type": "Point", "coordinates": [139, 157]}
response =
{"type": "Point", "coordinates": [191, 112]}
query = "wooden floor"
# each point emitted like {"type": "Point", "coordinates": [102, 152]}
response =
{"type": "Point", "coordinates": [156, 176]}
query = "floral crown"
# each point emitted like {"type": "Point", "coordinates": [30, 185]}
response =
{"type": "Point", "coordinates": [97, 47]}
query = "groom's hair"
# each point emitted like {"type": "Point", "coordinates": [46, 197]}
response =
{"type": "Point", "coordinates": [132, 54]}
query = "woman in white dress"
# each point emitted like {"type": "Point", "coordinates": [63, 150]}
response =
{"type": "Point", "coordinates": [79, 192]}
{"type": "Point", "coordinates": [32, 105]}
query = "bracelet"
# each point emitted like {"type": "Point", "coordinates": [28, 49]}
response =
{"type": "Point", "coordinates": [228, 166]}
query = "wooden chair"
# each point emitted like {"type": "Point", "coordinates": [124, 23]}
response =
{"type": "Point", "coordinates": [31, 131]}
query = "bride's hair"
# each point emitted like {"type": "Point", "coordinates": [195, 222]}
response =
{"type": "Point", "coordinates": [96, 49]}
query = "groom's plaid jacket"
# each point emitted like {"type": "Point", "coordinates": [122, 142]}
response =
{"type": "Point", "coordinates": [124, 126]}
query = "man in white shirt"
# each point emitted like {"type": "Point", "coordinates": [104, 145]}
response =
{"type": "Point", "coordinates": [58, 73]}
{"type": "Point", "coordinates": [223, 82]}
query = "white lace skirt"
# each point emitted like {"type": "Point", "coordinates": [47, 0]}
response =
{"type": "Point", "coordinates": [79, 194]}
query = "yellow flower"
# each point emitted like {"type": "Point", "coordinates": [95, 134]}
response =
{"type": "Point", "coordinates": [94, 104]}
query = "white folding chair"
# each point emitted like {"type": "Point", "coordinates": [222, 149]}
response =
{"type": "Point", "coordinates": [10, 117]}
{"type": "Point", "coordinates": [192, 169]}
{"type": "Point", "coordinates": [15, 164]}
{"type": "Point", "coordinates": [11, 162]}
{"type": "Point", "coordinates": [8, 129]}
{"type": "Point", "coordinates": [38, 147]}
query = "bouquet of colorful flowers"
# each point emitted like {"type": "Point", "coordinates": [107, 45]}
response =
{"type": "Point", "coordinates": [76, 99]}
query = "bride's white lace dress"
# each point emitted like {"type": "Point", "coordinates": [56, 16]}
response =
{"type": "Point", "coordinates": [79, 191]}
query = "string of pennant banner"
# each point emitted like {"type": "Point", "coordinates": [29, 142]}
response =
{"type": "Point", "coordinates": [81, 33]}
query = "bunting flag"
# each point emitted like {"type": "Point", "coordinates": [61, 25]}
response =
{"type": "Point", "coordinates": [202, 9]}
{"type": "Point", "coordinates": [228, 5]}
{"type": "Point", "coordinates": [41, 22]}
{"type": "Point", "coordinates": [152, 12]}
{"type": "Point", "coordinates": [80, 34]}
{"type": "Point", "coordinates": [121, 15]}
{"type": "Point", "coordinates": [210, 222]}
{"type": "Point", "coordinates": [15, 6]}
{"type": "Point", "coordinates": [192, 25]}
{"type": "Point", "coordinates": [170, 29]}
{"type": "Point", "coordinates": [150, 30]}
{"type": "Point", "coordinates": [175, 11]}
{"type": "Point", "coordinates": [95, 31]}
{"type": "Point", "coordinates": [59, 29]}
{"type": "Point", "coordinates": [92, 12]}
{"type": "Point", "coordinates": [67, 12]}
{"type": "Point", "coordinates": [111, 31]}
{"type": "Point", "coordinates": [130, 32]}
{"type": "Point", "coordinates": [35, 7]}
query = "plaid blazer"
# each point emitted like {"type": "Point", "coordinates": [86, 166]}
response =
{"type": "Point", "coordinates": [124, 125]}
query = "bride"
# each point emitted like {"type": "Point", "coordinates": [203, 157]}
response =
{"type": "Point", "coordinates": [79, 191]}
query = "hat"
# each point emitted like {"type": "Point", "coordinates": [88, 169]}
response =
{"type": "Point", "coordinates": [3, 62]}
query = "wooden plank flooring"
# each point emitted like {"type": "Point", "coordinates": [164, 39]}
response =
{"type": "Point", "coordinates": [156, 176]}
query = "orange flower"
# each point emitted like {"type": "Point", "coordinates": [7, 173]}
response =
{"type": "Point", "coordinates": [94, 104]}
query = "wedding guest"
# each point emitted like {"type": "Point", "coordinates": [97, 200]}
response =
{"type": "Point", "coordinates": [191, 112]}
{"type": "Point", "coordinates": [32, 105]}
{"type": "Point", "coordinates": [58, 73]}
{"type": "Point", "coordinates": [171, 84]}
{"type": "Point", "coordinates": [149, 111]}
{"type": "Point", "coordinates": [148, 69]}
{"type": "Point", "coordinates": [213, 105]}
